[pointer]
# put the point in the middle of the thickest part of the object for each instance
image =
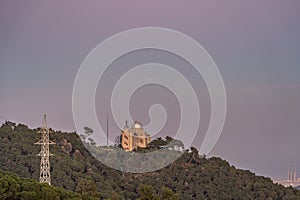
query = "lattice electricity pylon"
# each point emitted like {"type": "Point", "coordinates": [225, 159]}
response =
{"type": "Point", "coordinates": [45, 153]}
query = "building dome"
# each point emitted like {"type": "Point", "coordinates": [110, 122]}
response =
{"type": "Point", "coordinates": [137, 125]}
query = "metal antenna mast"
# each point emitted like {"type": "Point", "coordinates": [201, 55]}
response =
{"type": "Point", "coordinates": [45, 153]}
{"type": "Point", "coordinates": [107, 130]}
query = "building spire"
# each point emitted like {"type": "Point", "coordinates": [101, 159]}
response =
{"type": "Point", "coordinates": [289, 173]}
{"type": "Point", "coordinates": [295, 173]}
{"type": "Point", "coordinates": [292, 173]}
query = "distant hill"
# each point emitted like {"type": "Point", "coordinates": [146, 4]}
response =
{"type": "Point", "coordinates": [189, 177]}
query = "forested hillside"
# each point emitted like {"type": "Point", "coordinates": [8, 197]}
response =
{"type": "Point", "coordinates": [13, 187]}
{"type": "Point", "coordinates": [74, 169]}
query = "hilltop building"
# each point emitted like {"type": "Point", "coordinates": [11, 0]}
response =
{"type": "Point", "coordinates": [134, 137]}
{"type": "Point", "coordinates": [292, 179]}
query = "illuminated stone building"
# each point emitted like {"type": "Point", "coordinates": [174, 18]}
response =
{"type": "Point", "coordinates": [134, 137]}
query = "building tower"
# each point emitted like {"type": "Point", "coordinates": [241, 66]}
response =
{"type": "Point", "coordinates": [44, 153]}
{"type": "Point", "coordinates": [295, 173]}
{"type": "Point", "coordinates": [289, 174]}
{"type": "Point", "coordinates": [134, 138]}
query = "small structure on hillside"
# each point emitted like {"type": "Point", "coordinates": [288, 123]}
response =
{"type": "Point", "coordinates": [292, 179]}
{"type": "Point", "coordinates": [135, 137]}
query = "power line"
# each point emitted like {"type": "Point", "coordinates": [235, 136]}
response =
{"type": "Point", "coordinates": [2, 117]}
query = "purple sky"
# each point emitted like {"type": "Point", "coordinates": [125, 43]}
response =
{"type": "Point", "coordinates": [255, 44]}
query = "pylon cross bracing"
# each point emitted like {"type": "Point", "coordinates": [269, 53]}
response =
{"type": "Point", "coordinates": [45, 153]}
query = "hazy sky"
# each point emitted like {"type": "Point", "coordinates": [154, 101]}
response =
{"type": "Point", "coordinates": [255, 44]}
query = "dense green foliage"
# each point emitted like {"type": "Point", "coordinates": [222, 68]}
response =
{"type": "Point", "coordinates": [13, 187]}
{"type": "Point", "coordinates": [189, 177]}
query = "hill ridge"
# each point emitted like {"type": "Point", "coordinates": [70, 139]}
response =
{"type": "Point", "coordinates": [190, 177]}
